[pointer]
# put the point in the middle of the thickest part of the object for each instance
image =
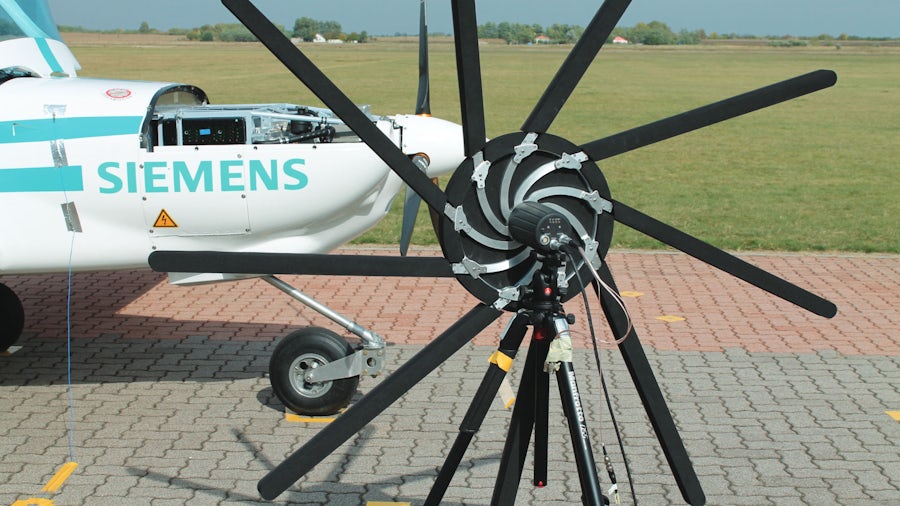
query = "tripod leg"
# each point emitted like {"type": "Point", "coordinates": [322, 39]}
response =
{"type": "Point", "coordinates": [581, 443]}
{"type": "Point", "coordinates": [481, 403]}
{"type": "Point", "coordinates": [651, 396]}
{"type": "Point", "coordinates": [377, 400]}
{"type": "Point", "coordinates": [512, 462]}
{"type": "Point", "coordinates": [541, 426]}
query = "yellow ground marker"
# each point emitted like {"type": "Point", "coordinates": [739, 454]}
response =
{"type": "Point", "coordinates": [60, 477]}
{"type": "Point", "coordinates": [33, 501]}
{"type": "Point", "coordinates": [385, 503]}
{"type": "Point", "coordinates": [631, 294]}
{"type": "Point", "coordinates": [293, 417]}
{"type": "Point", "coordinates": [894, 414]}
{"type": "Point", "coordinates": [670, 318]}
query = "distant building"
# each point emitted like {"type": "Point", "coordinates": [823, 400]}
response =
{"type": "Point", "coordinates": [319, 38]}
{"type": "Point", "coordinates": [620, 40]}
{"type": "Point", "coordinates": [542, 39]}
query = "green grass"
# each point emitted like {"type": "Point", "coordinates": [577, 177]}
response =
{"type": "Point", "coordinates": [819, 173]}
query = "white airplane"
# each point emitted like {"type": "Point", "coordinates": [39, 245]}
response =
{"type": "Point", "coordinates": [98, 173]}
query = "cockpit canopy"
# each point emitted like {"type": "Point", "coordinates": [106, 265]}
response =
{"type": "Point", "coordinates": [27, 18]}
{"type": "Point", "coordinates": [30, 40]}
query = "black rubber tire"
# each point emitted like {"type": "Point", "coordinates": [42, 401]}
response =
{"type": "Point", "coordinates": [310, 346]}
{"type": "Point", "coordinates": [12, 317]}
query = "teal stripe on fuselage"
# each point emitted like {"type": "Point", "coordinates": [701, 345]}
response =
{"type": "Point", "coordinates": [42, 179]}
{"type": "Point", "coordinates": [50, 129]}
{"type": "Point", "coordinates": [48, 55]}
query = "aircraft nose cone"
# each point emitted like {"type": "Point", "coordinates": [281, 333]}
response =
{"type": "Point", "coordinates": [440, 140]}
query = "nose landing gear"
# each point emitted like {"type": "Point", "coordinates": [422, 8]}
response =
{"type": "Point", "coordinates": [12, 317]}
{"type": "Point", "coordinates": [292, 372]}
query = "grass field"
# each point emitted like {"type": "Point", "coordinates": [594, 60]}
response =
{"type": "Point", "coordinates": [820, 173]}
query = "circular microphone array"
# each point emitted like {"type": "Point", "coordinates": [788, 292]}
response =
{"type": "Point", "coordinates": [482, 194]}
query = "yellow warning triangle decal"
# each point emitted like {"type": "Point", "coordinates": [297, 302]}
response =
{"type": "Point", "coordinates": [164, 221]}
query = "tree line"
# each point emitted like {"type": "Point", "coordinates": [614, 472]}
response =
{"type": "Point", "coordinates": [304, 28]}
{"type": "Point", "coordinates": [652, 33]}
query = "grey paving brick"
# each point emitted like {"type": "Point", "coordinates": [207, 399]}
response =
{"type": "Point", "coordinates": [760, 428]}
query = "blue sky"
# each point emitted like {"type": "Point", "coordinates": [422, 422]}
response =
{"type": "Point", "coordinates": [867, 18]}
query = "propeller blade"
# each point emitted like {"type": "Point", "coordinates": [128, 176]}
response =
{"type": "Point", "coordinates": [709, 114]}
{"type": "Point", "coordinates": [722, 260]}
{"type": "Point", "coordinates": [295, 263]}
{"type": "Point", "coordinates": [307, 72]}
{"type": "Point", "coordinates": [468, 68]}
{"type": "Point", "coordinates": [411, 202]}
{"type": "Point", "coordinates": [576, 64]}
{"type": "Point", "coordinates": [650, 393]}
{"type": "Point", "coordinates": [377, 400]}
{"type": "Point", "coordinates": [423, 101]}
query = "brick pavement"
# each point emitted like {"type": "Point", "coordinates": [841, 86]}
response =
{"type": "Point", "coordinates": [172, 405]}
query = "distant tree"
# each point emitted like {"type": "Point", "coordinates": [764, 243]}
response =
{"type": "Point", "coordinates": [488, 31]}
{"type": "Point", "coordinates": [688, 37]}
{"type": "Point", "coordinates": [505, 31]}
{"type": "Point", "coordinates": [653, 33]}
{"type": "Point", "coordinates": [145, 28]}
{"type": "Point", "coordinates": [305, 28]}
{"type": "Point", "coordinates": [563, 33]}
{"type": "Point", "coordinates": [234, 32]}
{"type": "Point", "coordinates": [330, 29]}
{"type": "Point", "coordinates": [205, 33]}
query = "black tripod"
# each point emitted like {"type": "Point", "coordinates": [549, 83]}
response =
{"type": "Point", "coordinates": [550, 351]}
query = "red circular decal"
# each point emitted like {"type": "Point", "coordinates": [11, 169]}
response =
{"type": "Point", "coordinates": [118, 93]}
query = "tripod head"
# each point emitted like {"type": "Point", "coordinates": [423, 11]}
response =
{"type": "Point", "coordinates": [545, 230]}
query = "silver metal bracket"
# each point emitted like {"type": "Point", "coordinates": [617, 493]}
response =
{"type": "Point", "coordinates": [507, 295]}
{"type": "Point", "coordinates": [363, 362]}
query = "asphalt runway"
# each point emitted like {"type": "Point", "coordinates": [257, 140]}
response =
{"type": "Point", "coordinates": [170, 401]}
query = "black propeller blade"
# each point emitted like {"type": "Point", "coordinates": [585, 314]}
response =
{"type": "Point", "coordinates": [722, 260]}
{"type": "Point", "coordinates": [423, 100]}
{"type": "Point", "coordinates": [709, 114]}
{"type": "Point", "coordinates": [307, 72]}
{"type": "Point", "coordinates": [411, 199]}
{"type": "Point", "coordinates": [411, 202]}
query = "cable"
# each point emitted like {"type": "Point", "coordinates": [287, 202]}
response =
{"type": "Point", "coordinates": [58, 152]}
{"type": "Point", "coordinates": [610, 291]}
{"type": "Point", "coordinates": [593, 335]}
{"type": "Point", "coordinates": [69, 353]}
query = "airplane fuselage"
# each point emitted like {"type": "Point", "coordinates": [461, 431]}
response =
{"type": "Point", "coordinates": [131, 167]}
{"type": "Point", "coordinates": [96, 174]}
